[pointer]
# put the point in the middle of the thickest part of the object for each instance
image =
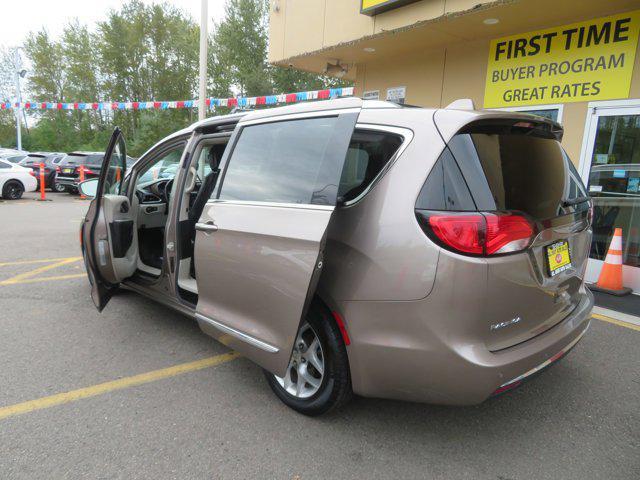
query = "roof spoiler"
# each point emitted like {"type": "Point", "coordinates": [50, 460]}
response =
{"type": "Point", "coordinates": [461, 104]}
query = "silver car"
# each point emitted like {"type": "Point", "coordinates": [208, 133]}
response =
{"type": "Point", "coordinates": [349, 246]}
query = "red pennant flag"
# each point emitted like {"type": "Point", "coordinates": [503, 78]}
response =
{"type": "Point", "coordinates": [43, 105]}
{"type": "Point", "coordinates": [324, 93]}
{"type": "Point", "coordinates": [261, 100]}
{"type": "Point", "coordinates": [232, 102]}
{"type": "Point", "coordinates": [180, 104]}
{"type": "Point", "coordinates": [291, 97]}
{"type": "Point", "coordinates": [59, 106]}
{"type": "Point", "coordinates": [94, 105]}
{"type": "Point", "coordinates": [75, 105]}
{"type": "Point", "coordinates": [156, 104]}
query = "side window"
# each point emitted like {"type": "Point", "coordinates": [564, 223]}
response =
{"type": "Point", "coordinates": [294, 161]}
{"type": "Point", "coordinates": [210, 154]}
{"type": "Point", "coordinates": [369, 151]}
{"type": "Point", "coordinates": [445, 187]}
{"type": "Point", "coordinates": [116, 169]}
{"type": "Point", "coordinates": [163, 167]}
{"type": "Point", "coordinates": [4, 165]}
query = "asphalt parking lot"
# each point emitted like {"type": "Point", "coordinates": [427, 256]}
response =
{"type": "Point", "coordinates": [153, 397]}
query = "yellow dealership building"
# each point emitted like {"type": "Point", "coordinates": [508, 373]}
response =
{"type": "Point", "coordinates": [575, 61]}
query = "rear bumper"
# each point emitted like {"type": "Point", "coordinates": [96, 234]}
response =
{"type": "Point", "coordinates": [67, 181]}
{"type": "Point", "coordinates": [391, 359]}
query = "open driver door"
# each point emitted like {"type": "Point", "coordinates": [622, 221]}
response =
{"type": "Point", "coordinates": [109, 245]}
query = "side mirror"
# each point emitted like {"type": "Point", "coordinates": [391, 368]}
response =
{"type": "Point", "coordinates": [89, 187]}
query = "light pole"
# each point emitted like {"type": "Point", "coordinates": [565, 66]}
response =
{"type": "Point", "coordinates": [202, 101]}
{"type": "Point", "coordinates": [18, 74]}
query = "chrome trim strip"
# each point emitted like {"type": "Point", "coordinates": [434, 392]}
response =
{"type": "Point", "coordinates": [302, 206]}
{"type": "Point", "coordinates": [284, 116]}
{"type": "Point", "coordinates": [548, 362]}
{"type": "Point", "coordinates": [238, 334]}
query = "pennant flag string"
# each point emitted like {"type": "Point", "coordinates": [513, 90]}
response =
{"type": "Point", "coordinates": [211, 102]}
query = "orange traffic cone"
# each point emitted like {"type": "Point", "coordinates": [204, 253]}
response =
{"type": "Point", "coordinates": [610, 280]}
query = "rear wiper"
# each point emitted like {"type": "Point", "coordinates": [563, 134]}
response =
{"type": "Point", "coordinates": [575, 201]}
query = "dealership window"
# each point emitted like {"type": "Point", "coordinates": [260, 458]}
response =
{"type": "Point", "coordinates": [614, 184]}
{"type": "Point", "coordinates": [552, 112]}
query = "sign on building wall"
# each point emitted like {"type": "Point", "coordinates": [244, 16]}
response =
{"type": "Point", "coordinates": [371, 95]}
{"type": "Point", "coordinates": [374, 7]}
{"type": "Point", "coordinates": [396, 94]}
{"type": "Point", "coordinates": [580, 62]}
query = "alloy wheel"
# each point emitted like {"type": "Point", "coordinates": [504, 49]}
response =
{"type": "Point", "coordinates": [14, 192]}
{"type": "Point", "coordinates": [305, 371]}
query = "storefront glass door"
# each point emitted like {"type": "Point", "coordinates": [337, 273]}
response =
{"type": "Point", "coordinates": [611, 170]}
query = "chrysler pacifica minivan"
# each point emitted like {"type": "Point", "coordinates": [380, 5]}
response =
{"type": "Point", "coordinates": [349, 246]}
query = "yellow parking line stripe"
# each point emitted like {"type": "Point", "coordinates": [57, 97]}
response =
{"type": "Point", "coordinates": [32, 273]}
{"type": "Point", "coordinates": [101, 388]}
{"type": "Point", "coordinates": [620, 323]}
{"type": "Point", "coordinates": [46, 260]}
{"type": "Point", "coordinates": [46, 279]}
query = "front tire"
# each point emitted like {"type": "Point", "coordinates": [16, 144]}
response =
{"type": "Point", "coordinates": [317, 379]}
{"type": "Point", "coordinates": [12, 190]}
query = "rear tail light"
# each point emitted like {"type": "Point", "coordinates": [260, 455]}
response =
{"type": "Point", "coordinates": [481, 234]}
{"type": "Point", "coordinates": [88, 171]}
{"type": "Point", "coordinates": [58, 169]}
{"type": "Point", "coordinates": [32, 173]}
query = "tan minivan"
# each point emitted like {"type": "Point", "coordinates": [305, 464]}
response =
{"type": "Point", "coordinates": [350, 246]}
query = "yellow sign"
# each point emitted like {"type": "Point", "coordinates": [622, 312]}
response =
{"type": "Point", "coordinates": [374, 7]}
{"type": "Point", "coordinates": [580, 62]}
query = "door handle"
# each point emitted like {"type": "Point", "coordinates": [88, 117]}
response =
{"type": "Point", "coordinates": [207, 227]}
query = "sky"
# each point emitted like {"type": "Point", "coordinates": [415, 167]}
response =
{"type": "Point", "coordinates": [23, 16]}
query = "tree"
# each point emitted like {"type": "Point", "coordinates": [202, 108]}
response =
{"type": "Point", "coordinates": [239, 48]}
{"type": "Point", "coordinates": [238, 56]}
{"type": "Point", "coordinates": [145, 52]}
{"type": "Point", "coordinates": [148, 52]}
{"type": "Point", "coordinates": [7, 94]}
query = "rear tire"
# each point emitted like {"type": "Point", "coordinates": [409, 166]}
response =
{"type": "Point", "coordinates": [57, 187]}
{"type": "Point", "coordinates": [12, 190]}
{"type": "Point", "coordinates": [334, 389]}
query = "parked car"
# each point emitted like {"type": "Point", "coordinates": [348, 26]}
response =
{"type": "Point", "coordinates": [50, 161]}
{"type": "Point", "coordinates": [13, 156]}
{"type": "Point", "coordinates": [15, 180]}
{"type": "Point", "coordinates": [354, 246]}
{"type": "Point", "coordinates": [68, 171]}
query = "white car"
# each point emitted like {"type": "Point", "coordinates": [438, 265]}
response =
{"type": "Point", "coordinates": [15, 180]}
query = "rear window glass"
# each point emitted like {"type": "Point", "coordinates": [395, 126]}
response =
{"type": "Point", "coordinates": [31, 159]}
{"type": "Point", "coordinates": [369, 151]}
{"type": "Point", "coordinates": [80, 160]}
{"type": "Point", "coordinates": [515, 171]}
